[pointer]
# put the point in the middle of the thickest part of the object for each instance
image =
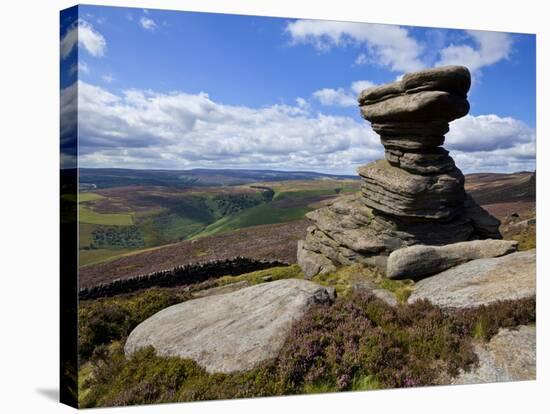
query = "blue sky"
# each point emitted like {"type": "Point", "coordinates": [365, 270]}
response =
{"type": "Point", "coordinates": [178, 90]}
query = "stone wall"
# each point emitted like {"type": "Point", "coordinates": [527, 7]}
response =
{"type": "Point", "coordinates": [181, 275]}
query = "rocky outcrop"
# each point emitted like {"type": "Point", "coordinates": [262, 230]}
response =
{"type": "Point", "coordinates": [233, 331]}
{"type": "Point", "coordinates": [481, 282]}
{"type": "Point", "coordinates": [416, 262]}
{"type": "Point", "coordinates": [413, 196]}
{"type": "Point", "coordinates": [509, 356]}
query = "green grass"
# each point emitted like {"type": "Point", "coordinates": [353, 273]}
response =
{"type": "Point", "coordinates": [526, 240]}
{"type": "Point", "coordinates": [276, 273]}
{"type": "Point", "coordinates": [304, 193]}
{"type": "Point", "coordinates": [169, 228]}
{"type": "Point", "coordinates": [275, 211]}
{"type": "Point", "coordinates": [365, 383]}
{"type": "Point", "coordinates": [297, 186]}
{"type": "Point", "coordinates": [344, 277]}
{"type": "Point", "coordinates": [320, 387]}
{"type": "Point", "coordinates": [401, 288]}
{"type": "Point", "coordinates": [84, 197]}
{"type": "Point", "coordinates": [89, 216]}
{"type": "Point", "coordinates": [262, 214]}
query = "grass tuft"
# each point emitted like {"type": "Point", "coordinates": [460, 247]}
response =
{"type": "Point", "coordinates": [261, 276]}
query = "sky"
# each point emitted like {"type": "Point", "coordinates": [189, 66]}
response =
{"type": "Point", "coordinates": [181, 90]}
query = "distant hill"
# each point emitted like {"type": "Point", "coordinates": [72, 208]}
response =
{"type": "Point", "coordinates": [492, 188]}
{"type": "Point", "coordinates": [97, 178]}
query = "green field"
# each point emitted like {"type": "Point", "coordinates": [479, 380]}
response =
{"type": "Point", "coordinates": [117, 222]}
{"type": "Point", "coordinates": [166, 229]}
{"type": "Point", "coordinates": [84, 197]}
{"type": "Point", "coordinates": [87, 215]}
{"type": "Point", "coordinates": [292, 200]}
{"type": "Point", "coordinates": [263, 214]}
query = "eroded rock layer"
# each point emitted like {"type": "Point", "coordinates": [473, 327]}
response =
{"type": "Point", "coordinates": [413, 196]}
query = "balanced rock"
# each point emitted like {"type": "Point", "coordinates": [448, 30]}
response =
{"type": "Point", "coordinates": [413, 196]}
{"type": "Point", "coordinates": [416, 262]}
{"type": "Point", "coordinates": [480, 282]}
{"type": "Point", "coordinates": [233, 331]}
{"type": "Point", "coordinates": [510, 355]}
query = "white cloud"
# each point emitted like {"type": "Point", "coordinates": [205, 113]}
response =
{"type": "Point", "coordinates": [302, 103]}
{"type": "Point", "coordinates": [342, 96]}
{"type": "Point", "coordinates": [491, 47]}
{"type": "Point", "coordinates": [390, 46]}
{"type": "Point", "coordinates": [147, 23]}
{"type": "Point", "coordinates": [492, 143]}
{"type": "Point", "coordinates": [395, 48]}
{"type": "Point", "coordinates": [334, 97]}
{"type": "Point", "coordinates": [361, 59]}
{"type": "Point", "coordinates": [80, 67]}
{"type": "Point", "coordinates": [145, 129]}
{"type": "Point", "coordinates": [360, 85]}
{"type": "Point", "coordinates": [179, 130]}
{"type": "Point", "coordinates": [108, 78]}
{"type": "Point", "coordinates": [83, 34]}
{"type": "Point", "coordinates": [520, 157]}
{"type": "Point", "coordinates": [487, 133]}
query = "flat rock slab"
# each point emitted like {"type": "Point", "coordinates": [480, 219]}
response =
{"type": "Point", "coordinates": [419, 261]}
{"type": "Point", "coordinates": [233, 331]}
{"type": "Point", "coordinates": [509, 356]}
{"type": "Point", "coordinates": [481, 281]}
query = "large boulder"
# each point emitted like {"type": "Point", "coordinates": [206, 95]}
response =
{"type": "Point", "coordinates": [229, 332]}
{"type": "Point", "coordinates": [509, 356]}
{"type": "Point", "coordinates": [481, 282]}
{"type": "Point", "coordinates": [419, 261]}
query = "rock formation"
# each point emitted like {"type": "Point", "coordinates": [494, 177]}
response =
{"type": "Point", "coordinates": [416, 194]}
{"type": "Point", "coordinates": [232, 331]}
